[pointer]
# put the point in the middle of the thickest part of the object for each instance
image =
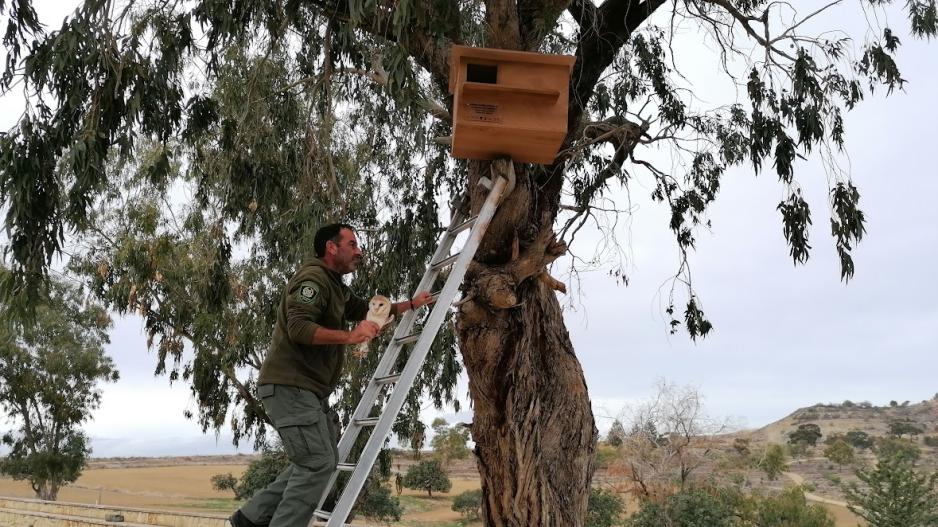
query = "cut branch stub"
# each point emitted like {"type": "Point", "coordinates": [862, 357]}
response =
{"type": "Point", "coordinates": [496, 287]}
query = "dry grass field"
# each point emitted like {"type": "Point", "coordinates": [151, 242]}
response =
{"type": "Point", "coordinates": [184, 485]}
{"type": "Point", "coordinates": [182, 488]}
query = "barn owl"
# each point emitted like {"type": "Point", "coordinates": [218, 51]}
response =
{"type": "Point", "coordinates": [379, 312]}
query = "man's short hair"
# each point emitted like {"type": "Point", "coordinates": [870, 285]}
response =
{"type": "Point", "coordinates": [328, 233]}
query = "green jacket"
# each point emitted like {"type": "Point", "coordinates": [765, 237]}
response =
{"type": "Point", "coordinates": [314, 297]}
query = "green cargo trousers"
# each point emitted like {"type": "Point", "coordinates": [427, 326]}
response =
{"type": "Point", "coordinates": [309, 438]}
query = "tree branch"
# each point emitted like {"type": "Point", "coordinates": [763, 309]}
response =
{"type": "Point", "coordinates": [602, 35]}
{"type": "Point", "coordinates": [537, 17]}
{"type": "Point", "coordinates": [584, 12]}
{"type": "Point", "coordinates": [431, 53]}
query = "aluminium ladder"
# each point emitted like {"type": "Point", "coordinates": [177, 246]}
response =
{"type": "Point", "coordinates": [404, 335]}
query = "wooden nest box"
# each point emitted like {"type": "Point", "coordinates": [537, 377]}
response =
{"type": "Point", "coordinates": [508, 103]}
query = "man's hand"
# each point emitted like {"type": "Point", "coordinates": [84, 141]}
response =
{"type": "Point", "coordinates": [421, 299]}
{"type": "Point", "coordinates": [363, 332]}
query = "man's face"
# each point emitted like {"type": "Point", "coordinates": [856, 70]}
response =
{"type": "Point", "coordinates": [346, 254]}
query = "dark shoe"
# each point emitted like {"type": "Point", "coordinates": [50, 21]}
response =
{"type": "Point", "coordinates": [240, 520]}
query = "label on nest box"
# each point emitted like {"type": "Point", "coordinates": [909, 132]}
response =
{"type": "Point", "coordinates": [484, 112]}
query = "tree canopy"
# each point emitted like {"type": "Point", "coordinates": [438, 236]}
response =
{"type": "Point", "coordinates": [49, 384]}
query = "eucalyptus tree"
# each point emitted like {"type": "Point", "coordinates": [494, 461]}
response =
{"type": "Point", "coordinates": [256, 120]}
{"type": "Point", "coordinates": [50, 374]}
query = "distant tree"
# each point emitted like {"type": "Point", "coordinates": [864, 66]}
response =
{"type": "Point", "coordinates": [616, 435]}
{"type": "Point", "coordinates": [900, 428]}
{"type": "Point", "coordinates": [449, 442]}
{"type": "Point", "coordinates": [469, 504]}
{"type": "Point", "coordinates": [894, 494]}
{"type": "Point", "coordinates": [848, 404]}
{"type": "Point", "coordinates": [773, 461]}
{"type": "Point", "coordinates": [894, 447]}
{"type": "Point", "coordinates": [859, 439]}
{"type": "Point", "coordinates": [223, 482]}
{"type": "Point", "coordinates": [50, 371]}
{"type": "Point", "coordinates": [669, 435]}
{"type": "Point", "coordinates": [839, 452]}
{"type": "Point", "coordinates": [604, 508]}
{"type": "Point", "coordinates": [427, 475]}
{"type": "Point", "coordinates": [893, 403]}
{"type": "Point", "coordinates": [809, 433]}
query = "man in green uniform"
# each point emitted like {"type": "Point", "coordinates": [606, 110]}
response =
{"type": "Point", "coordinates": [302, 368]}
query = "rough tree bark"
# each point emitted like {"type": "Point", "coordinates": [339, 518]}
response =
{"type": "Point", "coordinates": [533, 426]}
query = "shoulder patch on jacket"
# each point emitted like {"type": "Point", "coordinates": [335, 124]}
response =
{"type": "Point", "coordinates": [308, 292]}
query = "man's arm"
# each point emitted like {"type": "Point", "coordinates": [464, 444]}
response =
{"type": "Point", "coordinates": [420, 299]}
{"type": "Point", "coordinates": [305, 303]}
{"type": "Point", "coordinates": [363, 332]}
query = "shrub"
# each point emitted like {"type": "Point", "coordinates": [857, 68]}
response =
{"type": "Point", "coordinates": [378, 504]}
{"type": "Point", "coordinates": [605, 455]}
{"type": "Point", "coordinates": [773, 461]}
{"type": "Point", "coordinates": [903, 449]}
{"type": "Point", "coordinates": [859, 439]}
{"type": "Point", "coordinates": [839, 452]}
{"type": "Point", "coordinates": [688, 508]}
{"type": "Point", "coordinates": [469, 504]}
{"type": "Point", "coordinates": [604, 508]}
{"type": "Point", "coordinates": [261, 472]}
{"type": "Point", "coordinates": [931, 441]}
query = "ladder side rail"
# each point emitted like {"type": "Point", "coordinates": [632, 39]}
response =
{"type": "Point", "coordinates": [404, 328]}
{"type": "Point", "coordinates": [415, 362]}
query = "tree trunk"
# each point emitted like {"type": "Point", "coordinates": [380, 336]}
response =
{"type": "Point", "coordinates": [47, 490]}
{"type": "Point", "coordinates": [533, 426]}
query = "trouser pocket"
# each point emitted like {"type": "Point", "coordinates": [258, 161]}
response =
{"type": "Point", "coordinates": [303, 427]}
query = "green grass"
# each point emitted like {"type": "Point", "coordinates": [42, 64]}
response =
{"type": "Point", "coordinates": [413, 504]}
{"type": "Point", "coordinates": [212, 504]}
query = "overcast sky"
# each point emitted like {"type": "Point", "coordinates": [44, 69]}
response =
{"type": "Point", "coordinates": [785, 337]}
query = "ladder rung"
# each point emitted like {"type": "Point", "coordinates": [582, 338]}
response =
{"type": "Point", "coordinates": [444, 262]}
{"type": "Point", "coordinates": [368, 421]}
{"type": "Point", "coordinates": [435, 296]}
{"type": "Point", "coordinates": [345, 467]}
{"type": "Point", "coordinates": [322, 514]}
{"type": "Point", "coordinates": [486, 182]}
{"type": "Point", "coordinates": [409, 339]}
{"type": "Point", "coordinates": [464, 225]}
{"type": "Point", "coordinates": [387, 379]}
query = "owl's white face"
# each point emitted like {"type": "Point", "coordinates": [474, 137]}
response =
{"type": "Point", "coordinates": [380, 306]}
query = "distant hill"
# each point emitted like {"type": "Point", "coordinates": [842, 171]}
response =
{"type": "Point", "coordinates": [847, 416]}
